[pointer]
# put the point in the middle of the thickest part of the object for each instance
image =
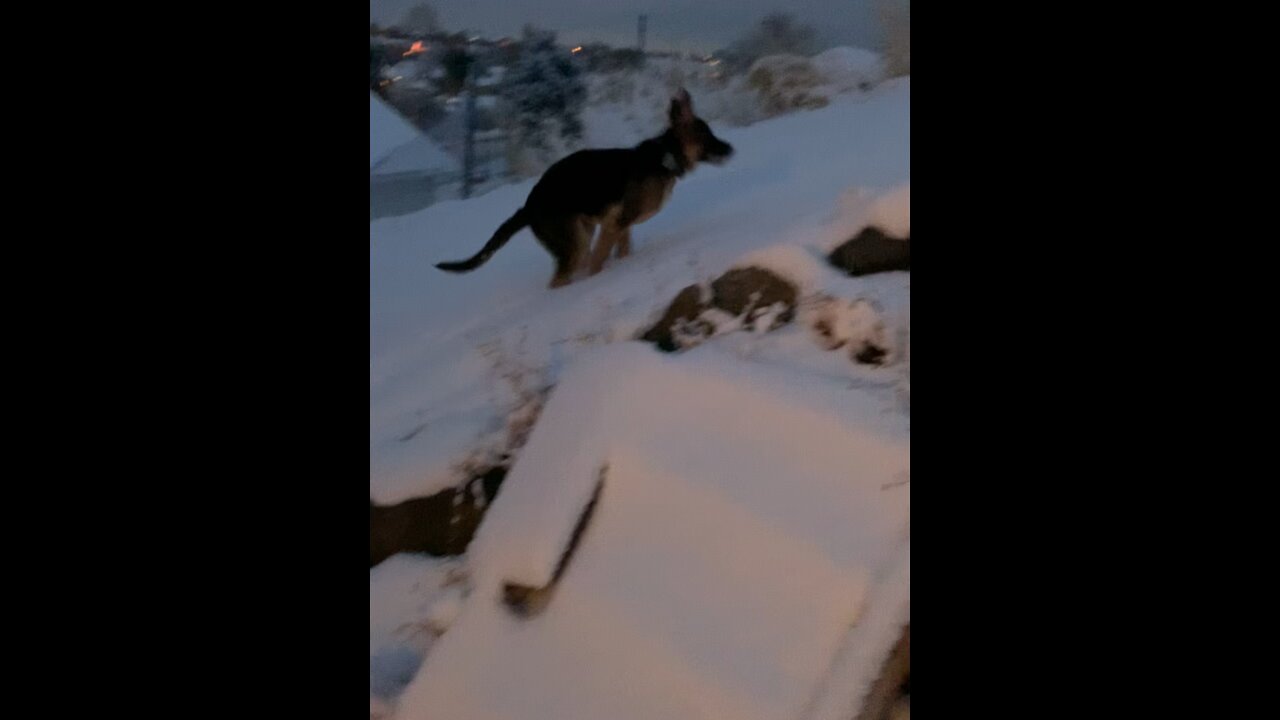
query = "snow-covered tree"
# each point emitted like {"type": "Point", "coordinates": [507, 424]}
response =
{"type": "Point", "coordinates": [456, 63]}
{"type": "Point", "coordinates": [895, 21]}
{"type": "Point", "coordinates": [545, 92]}
{"type": "Point", "coordinates": [421, 19]}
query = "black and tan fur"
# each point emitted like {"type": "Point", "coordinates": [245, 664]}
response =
{"type": "Point", "coordinates": [609, 189]}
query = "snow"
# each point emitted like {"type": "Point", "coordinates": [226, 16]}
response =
{"type": "Point", "coordinates": [851, 324]}
{"type": "Point", "coordinates": [722, 568]}
{"type": "Point", "coordinates": [846, 67]}
{"type": "Point", "coordinates": [387, 130]}
{"type": "Point", "coordinates": [795, 263]}
{"type": "Point", "coordinates": [865, 646]}
{"type": "Point", "coordinates": [402, 590]}
{"type": "Point", "coordinates": [890, 211]}
{"type": "Point", "coordinates": [749, 557]}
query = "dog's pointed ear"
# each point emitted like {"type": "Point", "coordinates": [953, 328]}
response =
{"type": "Point", "coordinates": [681, 107]}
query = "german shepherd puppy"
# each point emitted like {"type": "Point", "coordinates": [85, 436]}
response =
{"type": "Point", "coordinates": [613, 189]}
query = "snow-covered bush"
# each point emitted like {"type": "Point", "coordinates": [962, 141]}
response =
{"type": "Point", "coordinates": [784, 83]}
{"type": "Point", "coordinates": [777, 33]}
{"type": "Point", "coordinates": [849, 68]}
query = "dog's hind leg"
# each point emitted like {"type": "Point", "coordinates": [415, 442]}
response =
{"type": "Point", "coordinates": [566, 238]}
{"type": "Point", "coordinates": [563, 274]}
{"type": "Point", "coordinates": [626, 217]}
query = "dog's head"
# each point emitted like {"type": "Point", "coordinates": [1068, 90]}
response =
{"type": "Point", "coordinates": [695, 136]}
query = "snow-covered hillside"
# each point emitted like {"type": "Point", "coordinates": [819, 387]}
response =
{"type": "Point", "coordinates": [775, 455]}
{"type": "Point", "coordinates": [441, 345]}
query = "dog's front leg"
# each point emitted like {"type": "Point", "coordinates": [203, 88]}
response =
{"type": "Point", "coordinates": [584, 252]}
{"type": "Point", "coordinates": [608, 236]}
{"type": "Point", "coordinates": [624, 242]}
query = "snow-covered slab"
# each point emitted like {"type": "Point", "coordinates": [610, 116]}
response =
{"type": "Point", "coordinates": [751, 521]}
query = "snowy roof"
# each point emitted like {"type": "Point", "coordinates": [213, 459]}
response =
{"type": "Point", "coordinates": [744, 559]}
{"type": "Point", "coordinates": [411, 68]}
{"type": "Point", "coordinates": [420, 154]}
{"type": "Point", "coordinates": [387, 129]}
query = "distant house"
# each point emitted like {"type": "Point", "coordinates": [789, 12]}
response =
{"type": "Point", "coordinates": [492, 76]}
{"type": "Point", "coordinates": [388, 130]}
{"type": "Point", "coordinates": [400, 154]}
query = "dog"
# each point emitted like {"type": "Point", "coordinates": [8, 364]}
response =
{"type": "Point", "coordinates": [611, 189]}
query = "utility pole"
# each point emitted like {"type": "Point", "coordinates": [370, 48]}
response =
{"type": "Point", "coordinates": [643, 25]}
{"type": "Point", "coordinates": [469, 120]}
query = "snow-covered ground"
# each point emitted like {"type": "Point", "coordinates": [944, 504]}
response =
{"type": "Point", "coordinates": [403, 593]}
{"type": "Point", "coordinates": [818, 497]}
{"type": "Point", "coordinates": [452, 355]}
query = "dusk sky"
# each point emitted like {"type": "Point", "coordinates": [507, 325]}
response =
{"type": "Point", "coordinates": [703, 25]}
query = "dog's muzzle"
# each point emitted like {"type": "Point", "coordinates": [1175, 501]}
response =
{"type": "Point", "coordinates": [720, 155]}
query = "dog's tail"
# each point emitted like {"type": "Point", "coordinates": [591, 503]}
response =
{"type": "Point", "coordinates": [513, 225]}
